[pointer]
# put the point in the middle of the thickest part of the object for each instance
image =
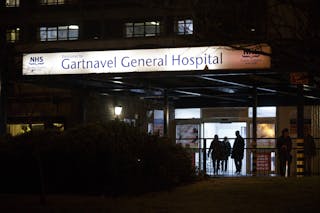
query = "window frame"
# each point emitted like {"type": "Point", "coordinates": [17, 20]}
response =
{"type": "Point", "coordinates": [184, 22]}
{"type": "Point", "coordinates": [12, 3]}
{"type": "Point", "coordinates": [132, 29]}
{"type": "Point", "coordinates": [13, 31]}
{"type": "Point", "coordinates": [52, 2]}
{"type": "Point", "coordinates": [58, 33]}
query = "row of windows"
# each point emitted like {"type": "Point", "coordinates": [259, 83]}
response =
{"type": "Point", "coordinates": [59, 33]}
{"type": "Point", "coordinates": [142, 29]}
{"type": "Point", "coordinates": [132, 29]}
{"type": "Point", "coordinates": [16, 3]}
{"type": "Point", "coordinates": [190, 113]}
{"type": "Point", "coordinates": [12, 3]}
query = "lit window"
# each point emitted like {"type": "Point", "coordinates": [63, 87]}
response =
{"type": "Point", "coordinates": [184, 27]}
{"type": "Point", "coordinates": [52, 2]}
{"type": "Point", "coordinates": [12, 35]}
{"type": "Point", "coordinates": [59, 33]}
{"type": "Point", "coordinates": [12, 3]}
{"type": "Point", "coordinates": [142, 29]}
{"type": "Point", "coordinates": [264, 112]}
{"type": "Point", "coordinates": [188, 113]}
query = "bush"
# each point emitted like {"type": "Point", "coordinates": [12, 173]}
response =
{"type": "Point", "coordinates": [110, 158]}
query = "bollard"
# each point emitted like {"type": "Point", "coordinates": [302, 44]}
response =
{"type": "Point", "coordinates": [300, 157]}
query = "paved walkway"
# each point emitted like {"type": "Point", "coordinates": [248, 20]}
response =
{"type": "Point", "coordinates": [251, 194]}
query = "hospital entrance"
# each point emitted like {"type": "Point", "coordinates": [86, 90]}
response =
{"type": "Point", "coordinates": [224, 130]}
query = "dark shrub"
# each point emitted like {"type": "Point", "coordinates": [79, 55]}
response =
{"type": "Point", "coordinates": [110, 158]}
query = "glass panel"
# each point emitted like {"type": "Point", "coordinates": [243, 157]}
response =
{"type": "Point", "coordinates": [52, 33]}
{"type": "Point", "coordinates": [158, 123]}
{"type": "Point", "coordinates": [187, 113]}
{"type": "Point", "coordinates": [188, 135]}
{"type": "Point", "coordinates": [12, 3]}
{"type": "Point", "coordinates": [17, 129]}
{"type": "Point", "coordinates": [263, 112]}
{"type": "Point", "coordinates": [180, 27]}
{"type": "Point", "coordinates": [52, 2]}
{"type": "Point", "coordinates": [73, 34]}
{"type": "Point", "coordinates": [12, 35]}
{"type": "Point", "coordinates": [225, 130]}
{"type": "Point", "coordinates": [73, 27]}
{"type": "Point", "coordinates": [189, 27]}
{"type": "Point", "coordinates": [59, 33]}
{"type": "Point", "coordinates": [8, 35]}
{"type": "Point", "coordinates": [43, 33]}
{"type": "Point", "coordinates": [129, 31]}
{"type": "Point", "coordinates": [62, 33]}
{"type": "Point", "coordinates": [185, 27]}
{"type": "Point", "coordinates": [266, 135]}
{"type": "Point", "coordinates": [138, 29]}
{"type": "Point", "coordinates": [150, 30]}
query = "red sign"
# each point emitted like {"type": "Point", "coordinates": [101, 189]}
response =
{"type": "Point", "coordinates": [263, 162]}
{"type": "Point", "coordinates": [299, 78]}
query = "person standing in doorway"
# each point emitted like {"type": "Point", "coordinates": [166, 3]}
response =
{"type": "Point", "coordinates": [227, 153]}
{"type": "Point", "coordinates": [284, 147]}
{"type": "Point", "coordinates": [213, 150]}
{"type": "Point", "coordinates": [237, 152]}
{"type": "Point", "coordinates": [309, 153]}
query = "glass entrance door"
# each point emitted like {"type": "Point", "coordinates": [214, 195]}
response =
{"type": "Point", "coordinates": [224, 130]}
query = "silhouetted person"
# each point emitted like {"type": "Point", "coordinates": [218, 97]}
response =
{"type": "Point", "coordinates": [309, 153]}
{"type": "Point", "coordinates": [284, 147]}
{"type": "Point", "coordinates": [237, 152]}
{"type": "Point", "coordinates": [214, 150]}
{"type": "Point", "coordinates": [227, 153]}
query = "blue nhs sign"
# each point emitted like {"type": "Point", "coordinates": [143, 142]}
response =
{"type": "Point", "coordinates": [36, 60]}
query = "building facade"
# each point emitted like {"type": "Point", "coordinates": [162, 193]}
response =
{"type": "Point", "coordinates": [53, 26]}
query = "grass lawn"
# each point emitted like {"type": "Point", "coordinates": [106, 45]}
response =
{"type": "Point", "coordinates": [241, 194]}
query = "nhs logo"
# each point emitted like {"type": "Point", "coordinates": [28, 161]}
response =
{"type": "Point", "coordinates": [252, 52]}
{"type": "Point", "coordinates": [36, 60]}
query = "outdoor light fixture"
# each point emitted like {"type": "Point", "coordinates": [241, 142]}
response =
{"type": "Point", "coordinates": [117, 110]}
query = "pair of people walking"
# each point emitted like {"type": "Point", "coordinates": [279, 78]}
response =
{"type": "Point", "coordinates": [221, 150]}
{"type": "Point", "coordinates": [284, 147]}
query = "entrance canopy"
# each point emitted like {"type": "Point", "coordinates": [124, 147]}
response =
{"type": "Point", "coordinates": [188, 77]}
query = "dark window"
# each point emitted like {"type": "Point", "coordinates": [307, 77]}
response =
{"type": "Point", "coordinates": [92, 30]}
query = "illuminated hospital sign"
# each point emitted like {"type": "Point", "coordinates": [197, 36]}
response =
{"type": "Point", "coordinates": [147, 60]}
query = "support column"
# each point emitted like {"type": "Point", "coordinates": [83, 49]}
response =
{"type": "Point", "coordinates": [254, 131]}
{"type": "Point", "coordinates": [300, 112]}
{"type": "Point", "coordinates": [204, 155]}
{"type": "Point", "coordinates": [300, 133]}
{"type": "Point", "coordinates": [166, 113]}
{"type": "Point", "coordinates": [3, 90]}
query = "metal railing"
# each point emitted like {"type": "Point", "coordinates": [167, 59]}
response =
{"type": "Point", "coordinates": [261, 161]}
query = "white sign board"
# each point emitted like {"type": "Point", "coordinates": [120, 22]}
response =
{"type": "Point", "coordinates": [146, 60]}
